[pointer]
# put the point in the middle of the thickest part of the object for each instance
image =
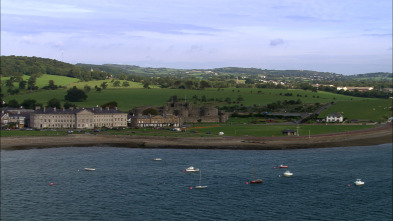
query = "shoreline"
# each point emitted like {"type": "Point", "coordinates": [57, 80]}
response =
{"type": "Point", "coordinates": [375, 136]}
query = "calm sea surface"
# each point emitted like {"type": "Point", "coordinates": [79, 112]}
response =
{"type": "Point", "coordinates": [129, 185]}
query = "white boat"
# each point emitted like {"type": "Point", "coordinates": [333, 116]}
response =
{"type": "Point", "coordinates": [90, 169]}
{"type": "Point", "coordinates": [358, 182]}
{"type": "Point", "coordinates": [200, 179]}
{"type": "Point", "coordinates": [192, 169]}
{"type": "Point", "coordinates": [288, 173]}
{"type": "Point", "coordinates": [157, 159]}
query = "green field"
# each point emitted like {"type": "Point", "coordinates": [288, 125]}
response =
{"type": "Point", "coordinates": [128, 98]}
{"type": "Point", "coordinates": [44, 80]}
{"type": "Point", "coordinates": [367, 109]}
{"type": "Point", "coordinates": [135, 95]}
{"type": "Point", "coordinates": [210, 130]}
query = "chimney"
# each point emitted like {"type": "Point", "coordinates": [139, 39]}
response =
{"type": "Point", "coordinates": [71, 108]}
{"type": "Point", "coordinates": [44, 109]}
{"type": "Point", "coordinates": [115, 108]}
{"type": "Point", "coordinates": [54, 109]}
{"type": "Point", "coordinates": [107, 108]}
{"type": "Point", "coordinates": [37, 107]}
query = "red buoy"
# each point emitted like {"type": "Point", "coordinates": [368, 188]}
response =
{"type": "Point", "coordinates": [51, 184]}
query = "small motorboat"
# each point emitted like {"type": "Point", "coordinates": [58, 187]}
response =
{"type": "Point", "coordinates": [157, 159]}
{"type": "Point", "coordinates": [359, 182]}
{"type": "Point", "coordinates": [283, 166]}
{"type": "Point", "coordinates": [90, 169]}
{"type": "Point", "coordinates": [256, 181]}
{"type": "Point", "coordinates": [288, 173]}
{"type": "Point", "coordinates": [192, 169]}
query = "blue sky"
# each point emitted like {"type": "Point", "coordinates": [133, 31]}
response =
{"type": "Point", "coordinates": [340, 36]}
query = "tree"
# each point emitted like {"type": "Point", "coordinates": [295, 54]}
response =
{"type": "Point", "coordinates": [31, 83]}
{"type": "Point", "coordinates": [87, 88]}
{"type": "Point", "coordinates": [146, 85]}
{"type": "Point", "coordinates": [22, 84]}
{"type": "Point", "coordinates": [9, 83]}
{"type": "Point", "coordinates": [173, 98]}
{"type": "Point", "coordinates": [104, 85]}
{"type": "Point", "coordinates": [13, 103]}
{"type": "Point", "coordinates": [111, 104]}
{"type": "Point", "coordinates": [52, 85]}
{"type": "Point", "coordinates": [204, 84]}
{"type": "Point", "coordinates": [74, 95]}
{"type": "Point", "coordinates": [150, 111]}
{"type": "Point", "coordinates": [54, 103]}
{"type": "Point", "coordinates": [68, 104]}
{"type": "Point", "coordinates": [189, 84]}
{"type": "Point", "coordinates": [30, 104]}
{"type": "Point", "coordinates": [126, 84]}
{"type": "Point", "coordinates": [116, 84]}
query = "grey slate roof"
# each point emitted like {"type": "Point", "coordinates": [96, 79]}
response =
{"type": "Point", "coordinates": [336, 114]}
{"type": "Point", "coordinates": [95, 110]}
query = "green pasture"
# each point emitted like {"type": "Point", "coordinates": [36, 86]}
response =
{"type": "Point", "coordinates": [210, 130]}
{"type": "Point", "coordinates": [365, 109]}
{"type": "Point", "coordinates": [276, 130]}
{"type": "Point", "coordinates": [128, 98]}
{"type": "Point", "coordinates": [110, 82]}
{"type": "Point", "coordinates": [135, 95]}
{"type": "Point", "coordinates": [44, 80]}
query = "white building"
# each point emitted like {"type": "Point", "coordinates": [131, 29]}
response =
{"type": "Point", "coordinates": [84, 118]}
{"type": "Point", "coordinates": [335, 117]}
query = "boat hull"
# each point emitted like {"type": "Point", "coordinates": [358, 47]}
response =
{"type": "Point", "coordinates": [256, 181]}
{"type": "Point", "coordinates": [90, 169]}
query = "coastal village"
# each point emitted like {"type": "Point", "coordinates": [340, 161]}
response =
{"type": "Point", "coordinates": [173, 114]}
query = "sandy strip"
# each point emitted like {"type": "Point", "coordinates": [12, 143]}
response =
{"type": "Point", "coordinates": [355, 138]}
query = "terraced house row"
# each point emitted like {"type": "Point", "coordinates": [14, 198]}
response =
{"type": "Point", "coordinates": [83, 118]}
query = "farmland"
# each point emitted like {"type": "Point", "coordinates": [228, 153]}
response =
{"type": "Point", "coordinates": [244, 97]}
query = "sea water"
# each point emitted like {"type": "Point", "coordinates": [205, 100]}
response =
{"type": "Point", "coordinates": [51, 184]}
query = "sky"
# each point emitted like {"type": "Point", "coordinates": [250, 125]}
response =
{"type": "Point", "coordinates": [340, 36]}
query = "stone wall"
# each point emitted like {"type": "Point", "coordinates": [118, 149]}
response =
{"type": "Point", "coordinates": [189, 113]}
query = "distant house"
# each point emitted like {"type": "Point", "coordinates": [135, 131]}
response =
{"type": "Point", "coordinates": [14, 117]}
{"type": "Point", "coordinates": [5, 119]}
{"type": "Point", "coordinates": [355, 88]}
{"type": "Point", "coordinates": [335, 117]}
{"type": "Point", "coordinates": [289, 132]}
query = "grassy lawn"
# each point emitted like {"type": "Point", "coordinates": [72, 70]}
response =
{"type": "Point", "coordinates": [366, 109]}
{"type": "Point", "coordinates": [208, 130]}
